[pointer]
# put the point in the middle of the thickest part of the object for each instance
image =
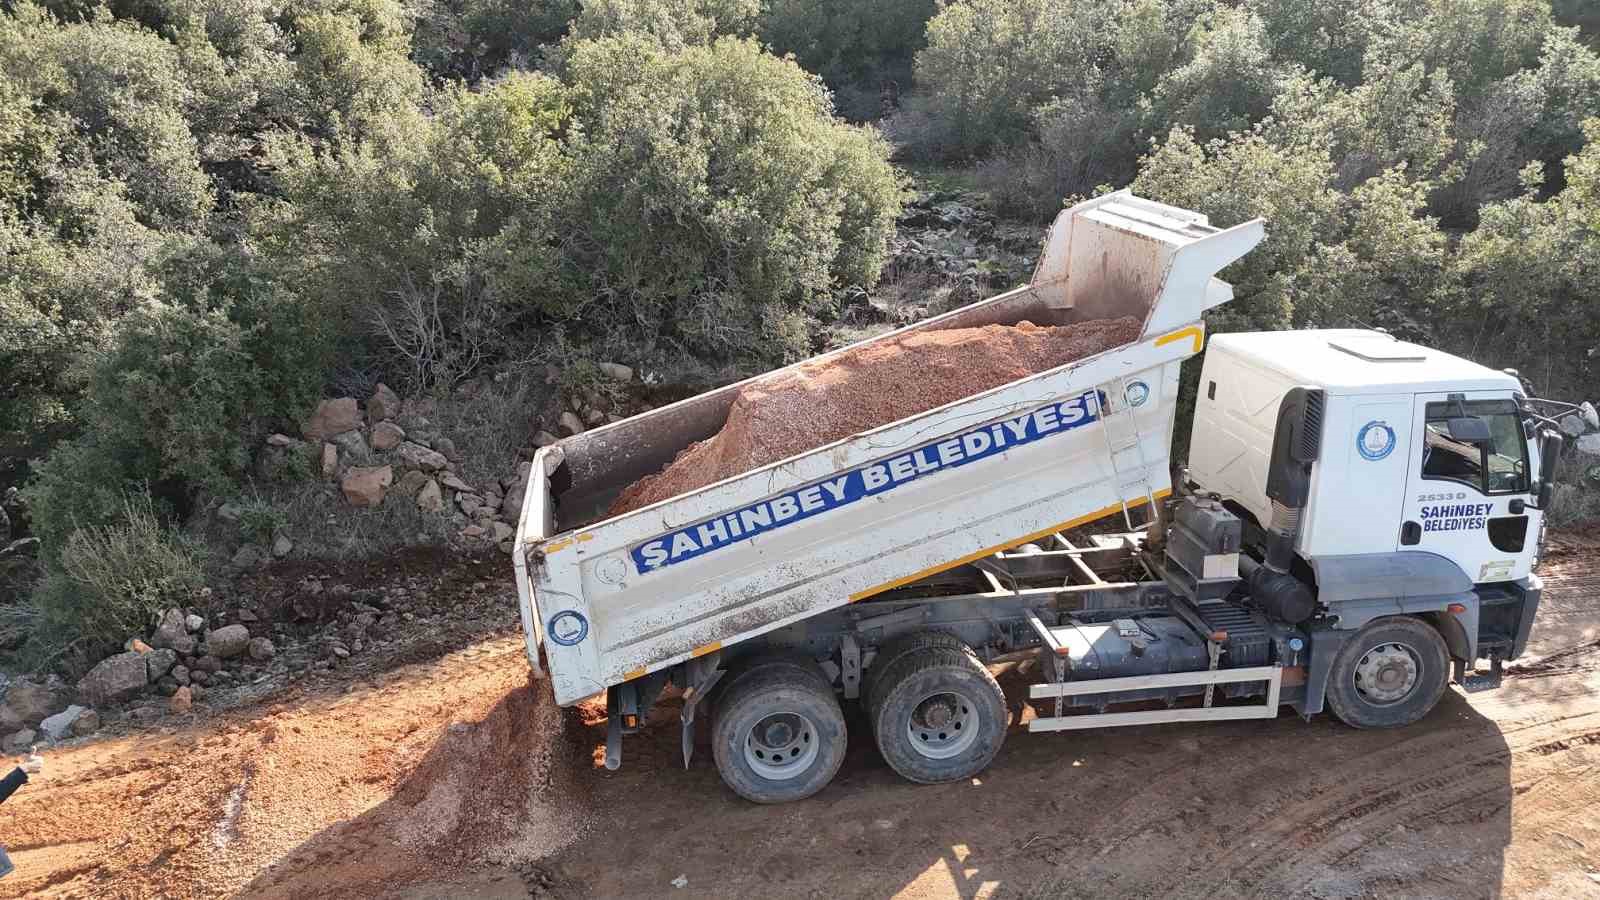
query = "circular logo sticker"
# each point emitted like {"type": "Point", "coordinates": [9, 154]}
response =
{"type": "Point", "coordinates": [567, 627]}
{"type": "Point", "coordinates": [1376, 440]}
{"type": "Point", "coordinates": [1138, 393]}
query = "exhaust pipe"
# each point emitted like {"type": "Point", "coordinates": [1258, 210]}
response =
{"type": "Point", "coordinates": [1296, 446]}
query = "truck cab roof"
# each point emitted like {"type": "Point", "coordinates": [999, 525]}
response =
{"type": "Point", "coordinates": [1348, 361]}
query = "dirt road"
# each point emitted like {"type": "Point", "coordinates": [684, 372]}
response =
{"type": "Point", "coordinates": [399, 784]}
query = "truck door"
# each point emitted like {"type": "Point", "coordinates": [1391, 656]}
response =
{"type": "Point", "coordinates": [1468, 483]}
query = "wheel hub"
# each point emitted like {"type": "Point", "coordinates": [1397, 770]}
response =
{"type": "Point", "coordinates": [781, 746]}
{"type": "Point", "coordinates": [1387, 674]}
{"type": "Point", "coordinates": [943, 725]}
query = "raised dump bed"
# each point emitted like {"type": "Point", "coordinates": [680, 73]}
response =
{"type": "Point", "coordinates": [614, 598]}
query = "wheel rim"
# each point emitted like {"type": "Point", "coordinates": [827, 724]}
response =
{"type": "Point", "coordinates": [781, 746]}
{"type": "Point", "coordinates": [943, 725]}
{"type": "Point", "coordinates": [1388, 673]}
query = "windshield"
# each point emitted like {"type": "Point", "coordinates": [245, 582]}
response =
{"type": "Point", "coordinates": [1497, 467]}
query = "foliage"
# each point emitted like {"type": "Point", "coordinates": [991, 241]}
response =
{"type": "Point", "coordinates": [111, 581]}
{"type": "Point", "coordinates": [846, 40]}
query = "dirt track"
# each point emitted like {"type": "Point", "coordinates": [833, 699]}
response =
{"type": "Point", "coordinates": [344, 794]}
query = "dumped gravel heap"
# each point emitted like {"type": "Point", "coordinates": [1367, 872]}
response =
{"type": "Point", "coordinates": [820, 402]}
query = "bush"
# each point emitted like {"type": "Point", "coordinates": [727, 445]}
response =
{"type": "Point", "coordinates": [110, 582]}
{"type": "Point", "coordinates": [990, 63]}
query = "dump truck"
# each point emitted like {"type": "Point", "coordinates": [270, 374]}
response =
{"type": "Point", "coordinates": [1356, 528]}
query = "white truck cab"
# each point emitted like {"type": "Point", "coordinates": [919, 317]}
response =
{"type": "Point", "coordinates": [1425, 466]}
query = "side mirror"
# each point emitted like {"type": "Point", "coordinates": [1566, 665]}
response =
{"type": "Point", "coordinates": [1468, 430]}
{"type": "Point", "coordinates": [1549, 453]}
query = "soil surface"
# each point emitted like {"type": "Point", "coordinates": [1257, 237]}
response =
{"type": "Point", "coordinates": [455, 776]}
{"type": "Point", "coordinates": [820, 402]}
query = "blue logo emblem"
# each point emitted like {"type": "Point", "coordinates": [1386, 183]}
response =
{"type": "Point", "coordinates": [1375, 440]}
{"type": "Point", "coordinates": [567, 628]}
{"type": "Point", "coordinates": [1138, 392]}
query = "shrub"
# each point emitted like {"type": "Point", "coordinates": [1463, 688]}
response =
{"type": "Point", "coordinates": [108, 582]}
{"type": "Point", "coordinates": [715, 202]}
{"type": "Point", "coordinates": [845, 40]}
{"type": "Point", "coordinates": [990, 63]}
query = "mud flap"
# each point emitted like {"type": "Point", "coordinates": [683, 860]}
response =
{"type": "Point", "coordinates": [1325, 645]}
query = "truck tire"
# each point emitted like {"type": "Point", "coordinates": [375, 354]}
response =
{"type": "Point", "coordinates": [891, 651]}
{"type": "Point", "coordinates": [778, 734]}
{"type": "Point", "coordinates": [1389, 675]}
{"type": "Point", "coordinates": [938, 715]}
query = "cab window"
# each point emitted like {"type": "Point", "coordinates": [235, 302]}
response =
{"type": "Point", "coordinates": [1499, 466]}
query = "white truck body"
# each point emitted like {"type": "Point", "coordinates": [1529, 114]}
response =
{"type": "Point", "coordinates": [1378, 389]}
{"type": "Point", "coordinates": [610, 600]}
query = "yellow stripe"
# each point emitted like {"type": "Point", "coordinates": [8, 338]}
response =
{"type": "Point", "coordinates": [988, 551]}
{"type": "Point", "coordinates": [712, 647]}
{"type": "Point", "coordinates": [558, 546]}
{"type": "Point", "coordinates": [1193, 331]}
{"type": "Point", "coordinates": [636, 673]}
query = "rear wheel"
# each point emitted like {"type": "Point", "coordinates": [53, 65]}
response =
{"type": "Point", "coordinates": [1389, 675]}
{"type": "Point", "coordinates": [938, 715]}
{"type": "Point", "coordinates": [779, 734]}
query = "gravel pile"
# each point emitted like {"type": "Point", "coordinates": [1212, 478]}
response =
{"type": "Point", "coordinates": [821, 402]}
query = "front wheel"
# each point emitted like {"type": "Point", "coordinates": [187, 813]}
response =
{"type": "Point", "coordinates": [938, 715]}
{"type": "Point", "coordinates": [779, 734]}
{"type": "Point", "coordinates": [1389, 675]}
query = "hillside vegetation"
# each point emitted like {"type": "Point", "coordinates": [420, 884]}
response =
{"type": "Point", "coordinates": [215, 212]}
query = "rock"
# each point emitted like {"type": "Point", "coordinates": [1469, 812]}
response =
{"type": "Point", "coordinates": [365, 485]}
{"type": "Point", "coordinates": [411, 483]}
{"type": "Point", "coordinates": [332, 417]}
{"type": "Point", "coordinates": [383, 404]}
{"type": "Point", "coordinates": [9, 720]}
{"type": "Point", "coordinates": [247, 557]}
{"type": "Point", "coordinates": [227, 512]}
{"type": "Point", "coordinates": [281, 546]}
{"type": "Point", "coordinates": [330, 461]}
{"type": "Point", "coordinates": [209, 665]}
{"type": "Point", "coordinates": [159, 662]}
{"type": "Point", "coordinates": [136, 645]}
{"type": "Point", "coordinates": [571, 424]}
{"type": "Point", "coordinates": [545, 439]}
{"type": "Point", "coordinates": [180, 674]}
{"type": "Point", "coordinates": [418, 456]}
{"type": "Point", "coordinates": [182, 700]}
{"type": "Point", "coordinates": [227, 642]}
{"type": "Point", "coordinates": [468, 500]}
{"type": "Point", "coordinates": [115, 678]}
{"type": "Point", "coordinates": [472, 532]}
{"type": "Point", "coordinates": [86, 723]}
{"type": "Point", "coordinates": [594, 417]}
{"type": "Point", "coordinates": [194, 622]}
{"type": "Point", "coordinates": [430, 499]}
{"type": "Point", "coordinates": [18, 741]}
{"type": "Point", "coordinates": [447, 447]}
{"type": "Point", "coordinates": [352, 444]}
{"type": "Point", "coordinates": [57, 726]}
{"type": "Point", "coordinates": [615, 371]}
{"type": "Point", "coordinates": [261, 649]}
{"type": "Point", "coordinates": [184, 645]}
{"type": "Point", "coordinates": [387, 436]}
{"type": "Point", "coordinates": [29, 702]}
{"type": "Point", "coordinates": [503, 532]}
{"type": "Point", "coordinates": [453, 481]}
{"type": "Point", "coordinates": [197, 692]}
{"type": "Point", "coordinates": [28, 546]}
{"type": "Point", "coordinates": [508, 547]}
{"type": "Point", "coordinates": [173, 626]}
{"type": "Point", "coordinates": [280, 440]}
